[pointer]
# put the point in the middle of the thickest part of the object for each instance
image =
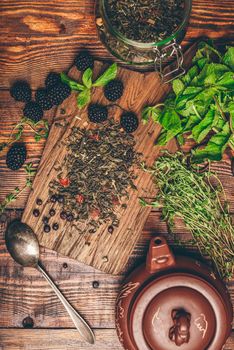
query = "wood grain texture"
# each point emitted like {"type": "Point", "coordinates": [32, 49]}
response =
{"type": "Point", "coordinates": [67, 339]}
{"type": "Point", "coordinates": [24, 292]}
{"type": "Point", "coordinates": [35, 38]}
{"type": "Point", "coordinates": [39, 36]}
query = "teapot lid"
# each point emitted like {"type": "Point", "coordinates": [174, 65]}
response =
{"type": "Point", "coordinates": [176, 309]}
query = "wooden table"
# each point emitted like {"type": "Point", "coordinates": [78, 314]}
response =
{"type": "Point", "coordinates": [36, 37]}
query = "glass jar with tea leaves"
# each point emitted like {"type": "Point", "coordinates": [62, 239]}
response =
{"type": "Point", "coordinates": [144, 33]}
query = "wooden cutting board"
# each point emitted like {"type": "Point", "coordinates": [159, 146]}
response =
{"type": "Point", "coordinates": [102, 250]}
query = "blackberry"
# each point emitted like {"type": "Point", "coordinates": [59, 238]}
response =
{"type": "Point", "coordinates": [83, 61]}
{"type": "Point", "coordinates": [52, 78]}
{"type": "Point", "coordinates": [16, 156]}
{"type": "Point", "coordinates": [42, 98]}
{"type": "Point", "coordinates": [97, 113]}
{"type": "Point", "coordinates": [47, 228]}
{"type": "Point", "coordinates": [55, 226]}
{"type": "Point", "coordinates": [36, 212]}
{"type": "Point", "coordinates": [129, 121]}
{"type": "Point", "coordinates": [21, 91]}
{"type": "Point", "coordinates": [113, 90]}
{"type": "Point", "coordinates": [58, 93]}
{"type": "Point", "coordinates": [33, 111]}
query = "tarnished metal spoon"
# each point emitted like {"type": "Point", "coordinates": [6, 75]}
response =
{"type": "Point", "coordinates": [23, 246]}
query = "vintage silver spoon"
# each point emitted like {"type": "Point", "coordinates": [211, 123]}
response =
{"type": "Point", "coordinates": [23, 246]}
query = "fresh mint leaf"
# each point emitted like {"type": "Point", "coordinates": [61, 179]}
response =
{"type": "Point", "coordinates": [162, 138]}
{"type": "Point", "coordinates": [166, 136]}
{"type": "Point", "coordinates": [155, 114]}
{"type": "Point", "coordinates": [150, 112]}
{"type": "Point", "coordinates": [83, 98]}
{"type": "Point", "coordinates": [178, 86]}
{"type": "Point", "coordinates": [143, 202]}
{"type": "Point", "coordinates": [210, 73]}
{"type": "Point", "coordinates": [215, 146]}
{"type": "Point", "coordinates": [201, 130]}
{"type": "Point", "coordinates": [180, 139]}
{"type": "Point", "coordinates": [188, 77]}
{"type": "Point", "coordinates": [231, 114]}
{"type": "Point", "coordinates": [87, 78]}
{"type": "Point", "coordinates": [190, 122]}
{"type": "Point", "coordinates": [170, 120]}
{"type": "Point", "coordinates": [188, 94]}
{"type": "Point", "coordinates": [107, 76]}
{"type": "Point", "coordinates": [201, 62]}
{"type": "Point", "coordinates": [228, 58]}
{"type": "Point", "coordinates": [227, 80]}
{"type": "Point", "coordinates": [146, 114]}
{"type": "Point", "coordinates": [72, 83]}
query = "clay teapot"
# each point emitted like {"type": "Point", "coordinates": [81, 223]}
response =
{"type": "Point", "coordinates": [172, 303]}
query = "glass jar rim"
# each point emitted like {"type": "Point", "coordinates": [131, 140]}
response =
{"type": "Point", "coordinates": [143, 45]}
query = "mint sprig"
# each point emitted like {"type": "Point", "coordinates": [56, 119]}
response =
{"type": "Point", "coordinates": [107, 76]}
{"type": "Point", "coordinates": [85, 88]}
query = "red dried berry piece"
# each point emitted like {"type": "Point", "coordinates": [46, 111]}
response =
{"type": "Point", "coordinates": [65, 182]}
{"type": "Point", "coordinates": [80, 198]}
{"type": "Point", "coordinates": [115, 200]}
{"type": "Point", "coordinates": [95, 213]}
{"type": "Point", "coordinates": [94, 137]}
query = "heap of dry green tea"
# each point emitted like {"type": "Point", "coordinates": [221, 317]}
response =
{"type": "Point", "coordinates": [145, 20]}
{"type": "Point", "coordinates": [96, 175]}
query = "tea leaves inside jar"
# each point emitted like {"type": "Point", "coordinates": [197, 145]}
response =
{"type": "Point", "coordinates": [145, 20]}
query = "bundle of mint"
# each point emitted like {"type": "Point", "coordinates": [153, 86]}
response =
{"type": "Point", "coordinates": [201, 105]}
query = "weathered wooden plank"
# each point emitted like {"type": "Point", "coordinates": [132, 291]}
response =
{"type": "Point", "coordinates": [69, 339]}
{"type": "Point", "coordinates": [56, 339]}
{"type": "Point", "coordinates": [37, 37]}
{"type": "Point", "coordinates": [75, 17]}
{"type": "Point", "coordinates": [24, 292]}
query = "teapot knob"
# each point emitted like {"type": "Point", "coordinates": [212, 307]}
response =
{"type": "Point", "coordinates": [159, 256]}
{"type": "Point", "coordinates": [179, 332]}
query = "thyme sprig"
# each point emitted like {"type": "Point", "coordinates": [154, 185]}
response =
{"type": "Point", "coordinates": [40, 130]}
{"type": "Point", "coordinates": [190, 195]}
{"type": "Point", "coordinates": [11, 197]}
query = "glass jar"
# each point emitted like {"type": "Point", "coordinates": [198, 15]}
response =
{"type": "Point", "coordinates": [144, 55]}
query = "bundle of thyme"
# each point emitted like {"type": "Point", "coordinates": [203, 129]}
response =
{"type": "Point", "coordinates": [186, 193]}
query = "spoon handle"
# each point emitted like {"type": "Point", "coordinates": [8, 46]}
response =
{"type": "Point", "coordinates": [82, 327]}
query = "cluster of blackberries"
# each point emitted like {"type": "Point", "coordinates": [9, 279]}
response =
{"type": "Point", "coordinates": [98, 113]}
{"type": "Point", "coordinates": [113, 90]}
{"type": "Point", "coordinates": [53, 94]}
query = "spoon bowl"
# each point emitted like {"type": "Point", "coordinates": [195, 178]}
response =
{"type": "Point", "coordinates": [22, 244]}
